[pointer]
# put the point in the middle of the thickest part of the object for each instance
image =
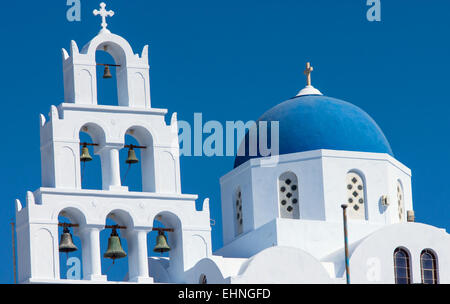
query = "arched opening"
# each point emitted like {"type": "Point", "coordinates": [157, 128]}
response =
{"type": "Point", "coordinates": [153, 240]}
{"type": "Point", "coordinates": [127, 85]}
{"type": "Point", "coordinates": [139, 176]}
{"type": "Point", "coordinates": [106, 78]}
{"type": "Point", "coordinates": [356, 195]}
{"type": "Point", "coordinates": [94, 137]}
{"type": "Point", "coordinates": [288, 195]}
{"type": "Point", "coordinates": [402, 266]}
{"type": "Point", "coordinates": [113, 240]}
{"type": "Point", "coordinates": [429, 267]}
{"type": "Point", "coordinates": [90, 163]}
{"type": "Point", "coordinates": [238, 212]}
{"type": "Point", "coordinates": [400, 201]}
{"type": "Point", "coordinates": [70, 245]}
{"type": "Point", "coordinates": [131, 173]}
{"type": "Point", "coordinates": [174, 238]}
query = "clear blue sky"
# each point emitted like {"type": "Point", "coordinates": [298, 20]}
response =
{"type": "Point", "coordinates": [233, 60]}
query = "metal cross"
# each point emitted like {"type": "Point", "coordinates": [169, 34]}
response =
{"type": "Point", "coordinates": [104, 13]}
{"type": "Point", "coordinates": [307, 72]}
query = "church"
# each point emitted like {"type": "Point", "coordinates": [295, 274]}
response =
{"type": "Point", "coordinates": [334, 206]}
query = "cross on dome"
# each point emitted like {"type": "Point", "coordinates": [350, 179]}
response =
{"type": "Point", "coordinates": [103, 13]}
{"type": "Point", "coordinates": [307, 72]}
{"type": "Point", "coordinates": [309, 89]}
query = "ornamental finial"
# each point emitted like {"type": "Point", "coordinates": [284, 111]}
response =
{"type": "Point", "coordinates": [307, 72]}
{"type": "Point", "coordinates": [103, 13]}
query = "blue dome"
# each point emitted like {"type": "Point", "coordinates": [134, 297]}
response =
{"type": "Point", "coordinates": [315, 122]}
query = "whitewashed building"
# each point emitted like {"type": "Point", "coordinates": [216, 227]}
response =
{"type": "Point", "coordinates": [282, 215]}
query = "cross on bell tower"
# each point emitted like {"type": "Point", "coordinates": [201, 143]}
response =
{"type": "Point", "coordinates": [104, 13]}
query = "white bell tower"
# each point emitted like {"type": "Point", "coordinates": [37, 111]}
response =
{"type": "Point", "coordinates": [61, 193]}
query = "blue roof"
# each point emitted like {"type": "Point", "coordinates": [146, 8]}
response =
{"type": "Point", "coordinates": [315, 122]}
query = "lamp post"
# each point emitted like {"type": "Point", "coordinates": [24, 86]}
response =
{"type": "Point", "coordinates": [347, 266]}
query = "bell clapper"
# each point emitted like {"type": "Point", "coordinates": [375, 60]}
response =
{"type": "Point", "coordinates": [82, 170]}
{"type": "Point", "coordinates": [126, 173]}
{"type": "Point", "coordinates": [109, 268]}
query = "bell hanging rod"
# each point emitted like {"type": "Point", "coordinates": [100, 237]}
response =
{"type": "Point", "coordinates": [107, 64]}
{"type": "Point", "coordinates": [115, 226]}
{"type": "Point", "coordinates": [137, 147]}
{"type": "Point", "coordinates": [66, 225]}
{"type": "Point", "coordinates": [87, 144]}
{"type": "Point", "coordinates": [163, 229]}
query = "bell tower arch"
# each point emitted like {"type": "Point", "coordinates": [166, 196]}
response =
{"type": "Point", "coordinates": [132, 70]}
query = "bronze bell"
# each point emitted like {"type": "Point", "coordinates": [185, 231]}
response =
{"type": "Point", "coordinates": [85, 156]}
{"type": "Point", "coordinates": [132, 159]}
{"type": "Point", "coordinates": [161, 243]}
{"type": "Point", "coordinates": [107, 73]}
{"type": "Point", "coordinates": [115, 250]}
{"type": "Point", "coordinates": [66, 244]}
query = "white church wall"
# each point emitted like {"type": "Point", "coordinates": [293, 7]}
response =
{"type": "Point", "coordinates": [321, 175]}
{"type": "Point", "coordinates": [320, 238]}
{"type": "Point", "coordinates": [45, 240]}
{"type": "Point", "coordinates": [372, 261]}
{"type": "Point", "coordinates": [229, 267]}
{"type": "Point", "coordinates": [307, 168]}
{"type": "Point", "coordinates": [250, 243]}
{"type": "Point", "coordinates": [379, 172]}
{"type": "Point", "coordinates": [216, 270]}
{"type": "Point", "coordinates": [239, 178]}
{"type": "Point", "coordinates": [47, 204]}
{"type": "Point", "coordinates": [205, 269]}
{"type": "Point", "coordinates": [108, 126]}
{"type": "Point", "coordinates": [48, 162]}
{"type": "Point", "coordinates": [80, 79]}
{"type": "Point", "coordinates": [282, 265]}
{"type": "Point", "coordinates": [397, 173]}
{"type": "Point", "coordinates": [322, 189]}
{"type": "Point", "coordinates": [23, 249]}
{"type": "Point", "coordinates": [157, 268]}
{"type": "Point", "coordinates": [259, 186]}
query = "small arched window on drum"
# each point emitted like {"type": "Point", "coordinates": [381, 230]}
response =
{"type": "Point", "coordinates": [239, 221]}
{"type": "Point", "coordinates": [400, 201]}
{"type": "Point", "coordinates": [288, 196]}
{"type": "Point", "coordinates": [355, 196]}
